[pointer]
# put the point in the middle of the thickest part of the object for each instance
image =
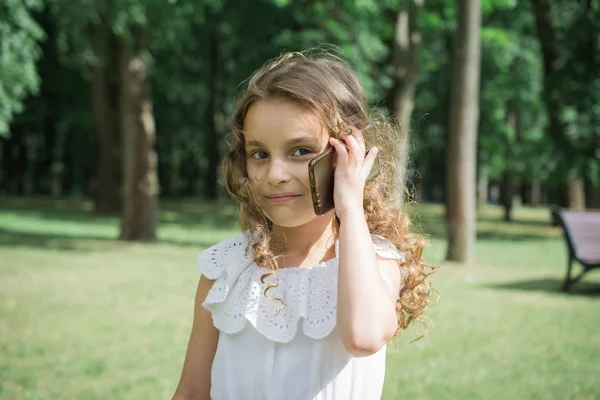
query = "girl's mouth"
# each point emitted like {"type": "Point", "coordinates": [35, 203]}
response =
{"type": "Point", "coordinates": [282, 198]}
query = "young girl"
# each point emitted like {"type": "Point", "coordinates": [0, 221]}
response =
{"type": "Point", "coordinates": [301, 306]}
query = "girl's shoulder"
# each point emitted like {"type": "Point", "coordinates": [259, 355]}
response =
{"type": "Point", "coordinates": [230, 254]}
{"type": "Point", "coordinates": [386, 249]}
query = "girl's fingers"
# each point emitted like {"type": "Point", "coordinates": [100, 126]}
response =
{"type": "Point", "coordinates": [357, 154]}
{"type": "Point", "coordinates": [359, 138]}
{"type": "Point", "coordinates": [369, 162]}
{"type": "Point", "coordinates": [342, 153]}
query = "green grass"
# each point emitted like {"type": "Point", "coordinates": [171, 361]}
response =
{"type": "Point", "coordinates": [84, 316]}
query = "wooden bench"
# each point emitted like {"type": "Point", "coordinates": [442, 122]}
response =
{"type": "Point", "coordinates": [582, 234]}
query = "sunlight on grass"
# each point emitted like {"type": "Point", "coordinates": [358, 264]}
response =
{"type": "Point", "coordinates": [85, 316]}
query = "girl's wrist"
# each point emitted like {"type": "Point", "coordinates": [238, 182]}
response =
{"type": "Point", "coordinates": [352, 212]}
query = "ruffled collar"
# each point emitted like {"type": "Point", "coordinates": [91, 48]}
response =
{"type": "Point", "coordinates": [309, 294]}
{"type": "Point", "coordinates": [237, 297]}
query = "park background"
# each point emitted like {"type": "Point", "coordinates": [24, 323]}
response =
{"type": "Point", "coordinates": [499, 100]}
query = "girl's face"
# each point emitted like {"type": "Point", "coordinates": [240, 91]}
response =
{"type": "Point", "coordinates": [281, 137]}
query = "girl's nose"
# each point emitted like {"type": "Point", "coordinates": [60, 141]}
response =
{"type": "Point", "coordinates": [278, 172]}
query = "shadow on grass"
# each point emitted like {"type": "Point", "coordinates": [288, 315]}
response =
{"type": "Point", "coordinates": [490, 228]}
{"type": "Point", "coordinates": [510, 236]}
{"type": "Point", "coordinates": [82, 243]}
{"type": "Point", "coordinates": [551, 285]}
{"type": "Point", "coordinates": [193, 221]}
{"type": "Point", "coordinates": [55, 241]}
{"type": "Point", "coordinates": [181, 212]}
{"type": "Point", "coordinates": [521, 220]}
{"type": "Point", "coordinates": [194, 213]}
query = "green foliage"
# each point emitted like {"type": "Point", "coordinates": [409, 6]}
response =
{"type": "Point", "coordinates": [578, 81]}
{"type": "Point", "coordinates": [181, 36]}
{"type": "Point", "coordinates": [356, 28]}
{"type": "Point", "coordinates": [19, 51]}
{"type": "Point", "coordinates": [511, 83]}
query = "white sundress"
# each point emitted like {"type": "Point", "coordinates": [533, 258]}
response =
{"type": "Point", "coordinates": [295, 354]}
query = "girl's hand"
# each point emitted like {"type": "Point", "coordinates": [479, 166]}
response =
{"type": "Point", "coordinates": [351, 172]}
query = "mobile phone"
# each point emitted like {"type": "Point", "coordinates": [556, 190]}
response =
{"type": "Point", "coordinates": [321, 171]}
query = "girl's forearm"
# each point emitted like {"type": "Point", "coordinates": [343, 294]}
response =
{"type": "Point", "coordinates": [365, 312]}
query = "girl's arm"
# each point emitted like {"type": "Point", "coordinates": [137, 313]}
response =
{"type": "Point", "coordinates": [366, 311]}
{"type": "Point", "coordinates": [195, 378]}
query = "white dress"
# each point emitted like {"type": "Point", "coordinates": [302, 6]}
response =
{"type": "Point", "coordinates": [295, 354]}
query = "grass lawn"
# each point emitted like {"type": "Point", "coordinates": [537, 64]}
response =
{"type": "Point", "coordinates": [83, 316]}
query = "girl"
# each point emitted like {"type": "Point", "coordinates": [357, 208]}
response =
{"type": "Point", "coordinates": [301, 306]}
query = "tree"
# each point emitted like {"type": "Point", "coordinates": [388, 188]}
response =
{"type": "Point", "coordinates": [115, 33]}
{"type": "Point", "coordinates": [579, 50]}
{"type": "Point", "coordinates": [104, 97]}
{"type": "Point", "coordinates": [462, 138]}
{"type": "Point", "coordinates": [19, 36]}
{"type": "Point", "coordinates": [570, 193]}
{"type": "Point", "coordinates": [122, 42]}
{"type": "Point", "coordinates": [215, 115]}
{"type": "Point", "coordinates": [405, 58]}
{"type": "Point", "coordinates": [140, 180]}
{"type": "Point", "coordinates": [197, 54]}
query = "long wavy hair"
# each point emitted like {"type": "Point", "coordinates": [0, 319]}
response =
{"type": "Point", "coordinates": [325, 83]}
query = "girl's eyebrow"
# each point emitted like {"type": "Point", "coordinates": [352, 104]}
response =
{"type": "Point", "coordinates": [302, 139]}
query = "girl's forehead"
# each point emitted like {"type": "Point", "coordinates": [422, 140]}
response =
{"type": "Point", "coordinates": [280, 119]}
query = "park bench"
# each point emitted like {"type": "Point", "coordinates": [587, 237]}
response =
{"type": "Point", "coordinates": [582, 234]}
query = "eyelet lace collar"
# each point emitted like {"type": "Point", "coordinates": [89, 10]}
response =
{"type": "Point", "coordinates": [237, 296]}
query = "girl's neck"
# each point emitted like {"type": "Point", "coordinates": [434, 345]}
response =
{"type": "Point", "coordinates": [317, 235]}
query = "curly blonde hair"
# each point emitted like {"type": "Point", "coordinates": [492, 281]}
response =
{"type": "Point", "coordinates": [324, 83]}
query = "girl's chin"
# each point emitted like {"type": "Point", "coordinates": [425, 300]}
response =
{"type": "Point", "coordinates": [289, 220]}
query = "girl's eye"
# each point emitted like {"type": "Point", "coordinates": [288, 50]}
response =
{"type": "Point", "coordinates": [259, 155]}
{"type": "Point", "coordinates": [302, 151]}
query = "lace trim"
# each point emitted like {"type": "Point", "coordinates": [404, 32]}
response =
{"type": "Point", "coordinates": [310, 294]}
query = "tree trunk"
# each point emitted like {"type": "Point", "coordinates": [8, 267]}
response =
{"type": "Point", "coordinates": [174, 171]}
{"type": "Point", "coordinates": [79, 186]}
{"type": "Point", "coordinates": [553, 99]}
{"type": "Point", "coordinates": [594, 198]}
{"type": "Point", "coordinates": [15, 160]}
{"type": "Point", "coordinates": [571, 194]}
{"type": "Point", "coordinates": [57, 166]}
{"type": "Point", "coordinates": [535, 194]}
{"type": "Point", "coordinates": [3, 167]}
{"type": "Point", "coordinates": [140, 184]}
{"type": "Point", "coordinates": [509, 181]}
{"type": "Point", "coordinates": [107, 196]}
{"type": "Point", "coordinates": [482, 185]}
{"type": "Point", "coordinates": [462, 138]}
{"type": "Point", "coordinates": [576, 193]}
{"type": "Point", "coordinates": [405, 50]}
{"type": "Point", "coordinates": [32, 150]}
{"type": "Point", "coordinates": [215, 118]}
{"type": "Point", "coordinates": [507, 194]}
